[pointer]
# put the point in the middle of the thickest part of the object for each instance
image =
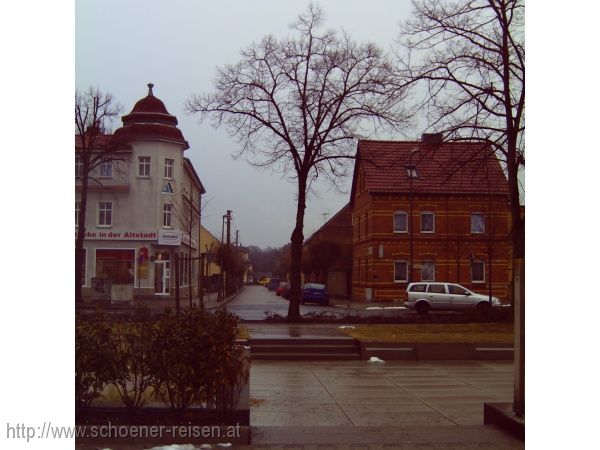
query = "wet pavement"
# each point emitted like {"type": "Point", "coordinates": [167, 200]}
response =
{"type": "Point", "coordinates": [359, 393]}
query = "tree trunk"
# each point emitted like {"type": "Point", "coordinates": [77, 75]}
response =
{"type": "Point", "coordinates": [296, 252]}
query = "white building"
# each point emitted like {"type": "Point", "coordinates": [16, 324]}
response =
{"type": "Point", "coordinates": [143, 211]}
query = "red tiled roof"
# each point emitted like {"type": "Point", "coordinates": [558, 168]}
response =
{"type": "Point", "coordinates": [450, 167]}
{"type": "Point", "coordinates": [100, 140]}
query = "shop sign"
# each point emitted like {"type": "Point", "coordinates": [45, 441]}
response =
{"type": "Point", "coordinates": [169, 237]}
{"type": "Point", "coordinates": [105, 235]}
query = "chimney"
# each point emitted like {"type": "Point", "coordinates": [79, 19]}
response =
{"type": "Point", "coordinates": [432, 138]}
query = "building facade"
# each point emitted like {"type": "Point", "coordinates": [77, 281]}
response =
{"type": "Point", "coordinates": [337, 230]}
{"type": "Point", "coordinates": [143, 210]}
{"type": "Point", "coordinates": [429, 210]}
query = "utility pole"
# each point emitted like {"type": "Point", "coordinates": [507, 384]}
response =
{"type": "Point", "coordinates": [227, 281]}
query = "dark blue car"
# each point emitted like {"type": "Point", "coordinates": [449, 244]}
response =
{"type": "Point", "coordinates": [315, 293]}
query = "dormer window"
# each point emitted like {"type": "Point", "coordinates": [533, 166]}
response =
{"type": "Point", "coordinates": [411, 172]}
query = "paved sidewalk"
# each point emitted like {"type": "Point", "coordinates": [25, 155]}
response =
{"type": "Point", "coordinates": [360, 393]}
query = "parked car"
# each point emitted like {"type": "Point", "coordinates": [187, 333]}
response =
{"type": "Point", "coordinates": [440, 296]}
{"type": "Point", "coordinates": [273, 284]}
{"type": "Point", "coordinates": [281, 288]}
{"type": "Point", "coordinates": [315, 293]}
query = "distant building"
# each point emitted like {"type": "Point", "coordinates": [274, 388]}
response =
{"type": "Point", "coordinates": [429, 210]}
{"type": "Point", "coordinates": [142, 211]}
{"type": "Point", "coordinates": [337, 230]}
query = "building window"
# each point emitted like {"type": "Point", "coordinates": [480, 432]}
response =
{"type": "Point", "coordinates": [478, 272]}
{"type": "Point", "coordinates": [167, 215]}
{"type": "Point", "coordinates": [411, 172]}
{"type": "Point", "coordinates": [400, 222]}
{"type": "Point", "coordinates": [167, 189]}
{"type": "Point", "coordinates": [105, 214]}
{"type": "Point", "coordinates": [400, 271]}
{"type": "Point", "coordinates": [117, 265]}
{"type": "Point", "coordinates": [427, 222]}
{"type": "Point", "coordinates": [168, 168]}
{"type": "Point", "coordinates": [78, 167]}
{"type": "Point", "coordinates": [77, 210]}
{"type": "Point", "coordinates": [106, 169]}
{"type": "Point", "coordinates": [428, 271]}
{"type": "Point", "coordinates": [184, 267]}
{"type": "Point", "coordinates": [144, 166]}
{"type": "Point", "coordinates": [477, 223]}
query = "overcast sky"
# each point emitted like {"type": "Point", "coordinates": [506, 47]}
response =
{"type": "Point", "coordinates": [123, 45]}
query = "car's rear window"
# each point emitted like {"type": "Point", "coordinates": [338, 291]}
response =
{"type": "Point", "coordinates": [418, 288]}
{"type": "Point", "coordinates": [436, 289]}
{"type": "Point", "coordinates": [314, 286]}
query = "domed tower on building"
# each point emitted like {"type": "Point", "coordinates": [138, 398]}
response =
{"type": "Point", "coordinates": [143, 212]}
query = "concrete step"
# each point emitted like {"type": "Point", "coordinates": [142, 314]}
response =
{"type": "Point", "coordinates": [278, 348]}
{"type": "Point", "coordinates": [297, 356]}
{"type": "Point", "coordinates": [305, 349]}
{"type": "Point", "coordinates": [414, 436]}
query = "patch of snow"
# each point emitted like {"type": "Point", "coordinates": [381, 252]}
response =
{"type": "Point", "coordinates": [346, 327]}
{"type": "Point", "coordinates": [225, 445]}
{"type": "Point", "coordinates": [373, 307]}
{"type": "Point", "coordinates": [376, 360]}
{"type": "Point", "coordinates": [395, 307]}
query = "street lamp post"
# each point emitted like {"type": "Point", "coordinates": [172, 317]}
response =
{"type": "Point", "coordinates": [411, 173]}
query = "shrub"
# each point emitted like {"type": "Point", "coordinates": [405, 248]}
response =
{"type": "Point", "coordinates": [129, 363]}
{"type": "Point", "coordinates": [195, 360]}
{"type": "Point", "coordinates": [92, 359]}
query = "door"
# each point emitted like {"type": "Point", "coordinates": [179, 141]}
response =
{"type": "Point", "coordinates": [437, 296]}
{"type": "Point", "coordinates": [459, 297]}
{"type": "Point", "coordinates": [162, 275]}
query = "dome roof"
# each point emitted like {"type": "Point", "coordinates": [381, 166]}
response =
{"type": "Point", "coordinates": [149, 119]}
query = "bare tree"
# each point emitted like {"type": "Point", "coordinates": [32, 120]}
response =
{"type": "Point", "coordinates": [299, 104]}
{"type": "Point", "coordinates": [470, 56]}
{"type": "Point", "coordinates": [188, 215]}
{"type": "Point", "coordinates": [93, 109]}
{"type": "Point", "coordinates": [457, 242]}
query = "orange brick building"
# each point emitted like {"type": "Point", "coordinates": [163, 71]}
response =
{"type": "Point", "coordinates": [429, 210]}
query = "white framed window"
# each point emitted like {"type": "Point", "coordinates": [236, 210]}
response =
{"type": "Point", "coordinates": [167, 188]}
{"type": "Point", "coordinates": [106, 169]}
{"type": "Point", "coordinates": [428, 271]}
{"type": "Point", "coordinates": [477, 223]}
{"type": "Point", "coordinates": [144, 166]}
{"type": "Point", "coordinates": [167, 215]}
{"type": "Point", "coordinates": [105, 216]}
{"type": "Point", "coordinates": [184, 267]}
{"type": "Point", "coordinates": [77, 210]}
{"type": "Point", "coordinates": [478, 272]}
{"type": "Point", "coordinates": [168, 173]}
{"type": "Point", "coordinates": [400, 271]}
{"type": "Point", "coordinates": [78, 167]}
{"type": "Point", "coordinates": [427, 222]}
{"type": "Point", "coordinates": [400, 222]}
{"type": "Point", "coordinates": [411, 172]}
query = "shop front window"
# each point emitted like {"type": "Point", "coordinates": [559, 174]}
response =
{"type": "Point", "coordinates": [117, 265]}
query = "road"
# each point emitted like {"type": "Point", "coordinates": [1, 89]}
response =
{"type": "Point", "coordinates": [254, 301]}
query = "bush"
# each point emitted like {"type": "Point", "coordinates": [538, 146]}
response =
{"type": "Point", "coordinates": [195, 360]}
{"type": "Point", "coordinates": [92, 359]}
{"type": "Point", "coordinates": [129, 365]}
{"type": "Point", "coordinates": [186, 359]}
